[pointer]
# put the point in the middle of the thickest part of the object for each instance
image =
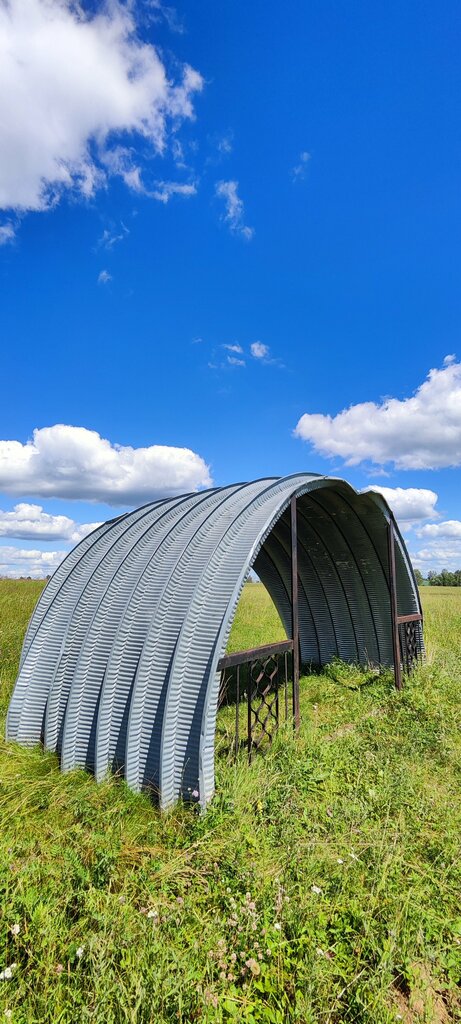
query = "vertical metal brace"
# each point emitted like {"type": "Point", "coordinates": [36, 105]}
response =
{"type": "Point", "coordinates": [295, 612]}
{"type": "Point", "coordinates": [394, 609]}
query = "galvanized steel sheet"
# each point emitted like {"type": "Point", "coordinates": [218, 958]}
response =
{"type": "Point", "coordinates": [119, 664]}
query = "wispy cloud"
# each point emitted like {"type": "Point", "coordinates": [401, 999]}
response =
{"type": "Point", "coordinates": [104, 277]}
{"type": "Point", "coordinates": [110, 238]}
{"type": "Point", "coordinates": [234, 210]}
{"type": "Point", "coordinates": [168, 14]}
{"type": "Point", "coordinates": [7, 233]}
{"type": "Point", "coordinates": [234, 361]}
{"type": "Point", "coordinates": [234, 348]}
{"type": "Point", "coordinates": [298, 172]}
{"type": "Point", "coordinates": [225, 143]}
{"type": "Point", "coordinates": [164, 190]}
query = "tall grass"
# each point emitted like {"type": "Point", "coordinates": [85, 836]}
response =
{"type": "Point", "coordinates": [323, 885]}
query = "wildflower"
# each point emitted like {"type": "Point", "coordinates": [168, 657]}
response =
{"type": "Point", "coordinates": [79, 952]}
{"type": "Point", "coordinates": [278, 926]}
{"type": "Point", "coordinates": [152, 913]}
{"type": "Point", "coordinates": [8, 1014]}
{"type": "Point", "coordinates": [59, 969]}
{"type": "Point", "coordinates": [195, 793]}
{"type": "Point", "coordinates": [316, 889]}
{"type": "Point", "coordinates": [268, 952]}
{"type": "Point", "coordinates": [7, 974]}
{"type": "Point", "coordinates": [253, 966]}
{"type": "Point", "coordinates": [320, 952]}
{"type": "Point", "coordinates": [339, 860]}
{"type": "Point", "coordinates": [15, 929]}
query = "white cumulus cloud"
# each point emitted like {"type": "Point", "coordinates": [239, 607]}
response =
{"type": "Point", "coordinates": [28, 522]}
{"type": "Point", "coordinates": [234, 210]}
{"type": "Point", "coordinates": [104, 277]}
{"type": "Point", "coordinates": [421, 432]}
{"type": "Point", "coordinates": [258, 350]}
{"type": "Point", "coordinates": [450, 528]}
{"type": "Point", "coordinates": [16, 562]}
{"type": "Point", "coordinates": [72, 462]}
{"type": "Point", "coordinates": [78, 91]}
{"type": "Point", "coordinates": [409, 504]}
{"type": "Point", "coordinates": [443, 552]}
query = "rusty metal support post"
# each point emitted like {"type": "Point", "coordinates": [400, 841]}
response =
{"type": "Point", "coordinates": [394, 608]}
{"type": "Point", "coordinates": [295, 611]}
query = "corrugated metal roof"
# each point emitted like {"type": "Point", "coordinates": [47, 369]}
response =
{"type": "Point", "coordinates": [119, 664]}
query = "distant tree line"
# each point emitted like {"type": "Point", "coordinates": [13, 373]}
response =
{"type": "Point", "coordinates": [439, 579]}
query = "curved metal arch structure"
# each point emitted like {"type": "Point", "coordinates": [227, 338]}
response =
{"type": "Point", "coordinates": [119, 664]}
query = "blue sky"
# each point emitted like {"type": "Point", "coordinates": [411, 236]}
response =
{"type": "Point", "coordinates": [269, 239]}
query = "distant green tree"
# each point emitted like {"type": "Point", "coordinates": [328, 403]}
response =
{"type": "Point", "coordinates": [419, 577]}
{"type": "Point", "coordinates": [445, 578]}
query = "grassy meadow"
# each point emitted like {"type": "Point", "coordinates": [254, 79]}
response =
{"type": "Point", "coordinates": [323, 885]}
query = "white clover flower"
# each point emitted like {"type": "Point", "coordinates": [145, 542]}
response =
{"type": "Point", "coordinates": [7, 974]}
{"type": "Point", "coordinates": [8, 1014]}
{"type": "Point", "coordinates": [278, 926]}
{"type": "Point", "coordinates": [15, 929]}
{"type": "Point", "coordinates": [152, 913]}
{"type": "Point", "coordinates": [320, 952]}
{"type": "Point", "coordinates": [316, 889]}
{"type": "Point", "coordinates": [339, 860]}
{"type": "Point", "coordinates": [80, 951]}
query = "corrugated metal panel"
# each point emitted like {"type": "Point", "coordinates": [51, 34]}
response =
{"type": "Point", "coordinates": [119, 664]}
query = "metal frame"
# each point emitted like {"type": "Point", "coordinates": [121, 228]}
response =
{"type": "Point", "coordinates": [405, 648]}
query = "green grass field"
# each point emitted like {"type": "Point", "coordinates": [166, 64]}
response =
{"type": "Point", "coordinates": [323, 885]}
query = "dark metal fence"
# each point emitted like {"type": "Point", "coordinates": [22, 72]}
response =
{"type": "Point", "coordinates": [406, 629]}
{"type": "Point", "coordinates": [263, 678]}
